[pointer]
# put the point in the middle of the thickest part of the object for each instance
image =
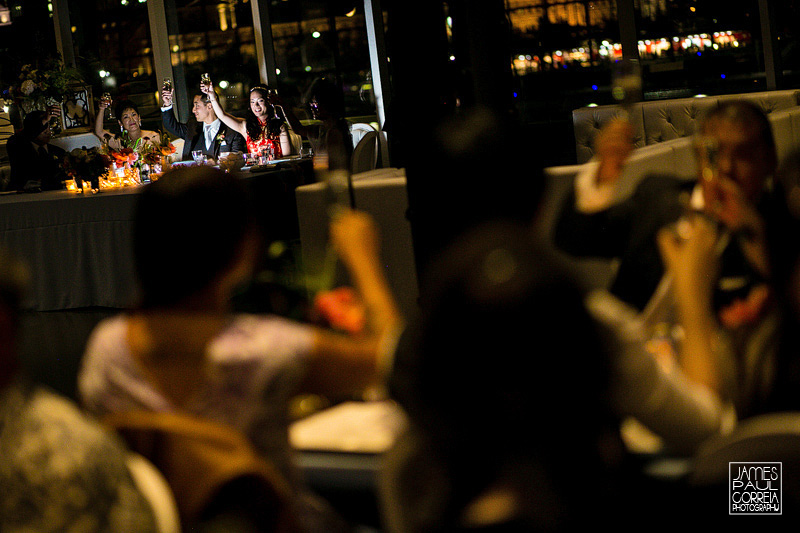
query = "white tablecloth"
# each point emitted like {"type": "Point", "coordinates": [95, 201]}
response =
{"type": "Point", "coordinates": [76, 140]}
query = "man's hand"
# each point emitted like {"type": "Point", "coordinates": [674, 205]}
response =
{"type": "Point", "coordinates": [613, 145]}
{"type": "Point", "coordinates": [166, 97]}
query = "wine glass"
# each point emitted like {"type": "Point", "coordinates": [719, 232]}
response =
{"type": "Point", "coordinates": [106, 99]}
{"type": "Point", "coordinates": [198, 156]}
{"type": "Point", "coordinates": [167, 85]}
{"type": "Point", "coordinates": [272, 98]}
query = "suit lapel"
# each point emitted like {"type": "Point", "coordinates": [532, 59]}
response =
{"type": "Point", "coordinates": [223, 131]}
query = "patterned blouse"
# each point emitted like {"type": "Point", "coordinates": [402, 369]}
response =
{"type": "Point", "coordinates": [264, 141]}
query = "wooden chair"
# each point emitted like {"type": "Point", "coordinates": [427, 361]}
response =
{"type": "Point", "coordinates": [212, 469]}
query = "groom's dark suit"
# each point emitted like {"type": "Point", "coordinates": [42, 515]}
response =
{"type": "Point", "coordinates": [226, 140]}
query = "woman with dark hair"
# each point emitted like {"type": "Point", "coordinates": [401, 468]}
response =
{"type": "Point", "coordinates": [185, 349]}
{"type": "Point", "coordinates": [261, 127]}
{"type": "Point", "coordinates": [130, 125]}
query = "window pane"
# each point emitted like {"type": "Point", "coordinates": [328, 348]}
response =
{"type": "Point", "coordinates": [561, 54]}
{"type": "Point", "coordinates": [318, 38]}
{"type": "Point", "coordinates": [787, 28]}
{"type": "Point", "coordinates": [216, 37]}
{"type": "Point", "coordinates": [692, 47]}
{"type": "Point", "coordinates": [113, 51]}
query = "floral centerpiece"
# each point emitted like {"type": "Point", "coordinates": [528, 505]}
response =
{"type": "Point", "coordinates": [37, 88]}
{"type": "Point", "coordinates": [88, 164]}
{"type": "Point", "coordinates": [141, 154]}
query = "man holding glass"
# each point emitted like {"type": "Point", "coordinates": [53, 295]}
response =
{"type": "Point", "coordinates": [208, 135]}
{"type": "Point", "coordinates": [36, 165]}
{"type": "Point", "coordinates": [738, 137]}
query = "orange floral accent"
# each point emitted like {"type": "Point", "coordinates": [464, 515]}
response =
{"type": "Point", "coordinates": [746, 311]}
{"type": "Point", "coordinates": [342, 309]}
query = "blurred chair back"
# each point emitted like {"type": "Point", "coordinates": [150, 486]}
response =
{"type": "Point", "coordinates": [358, 130]}
{"type": "Point", "coordinates": [156, 490]}
{"type": "Point", "coordinates": [365, 154]}
{"type": "Point", "coordinates": [212, 469]}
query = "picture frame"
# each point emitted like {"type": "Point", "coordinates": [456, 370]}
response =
{"type": "Point", "coordinates": [77, 110]}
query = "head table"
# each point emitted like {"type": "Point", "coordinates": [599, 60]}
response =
{"type": "Point", "coordinates": [79, 247]}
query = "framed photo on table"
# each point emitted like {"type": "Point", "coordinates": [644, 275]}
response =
{"type": "Point", "coordinates": [77, 109]}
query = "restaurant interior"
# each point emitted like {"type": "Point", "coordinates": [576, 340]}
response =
{"type": "Point", "coordinates": [467, 111]}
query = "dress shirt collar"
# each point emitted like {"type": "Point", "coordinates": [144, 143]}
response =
{"type": "Point", "coordinates": [214, 126]}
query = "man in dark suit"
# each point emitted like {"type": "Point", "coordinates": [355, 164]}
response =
{"type": "Point", "coordinates": [208, 133]}
{"type": "Point", "coordinates": [591, 223]}
{"type": "Point", "coordinates": [36, 165]}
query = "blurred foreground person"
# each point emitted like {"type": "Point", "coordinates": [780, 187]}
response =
{"type": "Point", "coordinates": [505, 378]}
{"type": "Point", "coordinates": [185, 350]}
{"type": "Point", "coordinates": [60, 470]}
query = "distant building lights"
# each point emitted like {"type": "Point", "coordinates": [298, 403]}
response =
{"type": "Point", "coordinates": [316, 34]}
{"type": "Point", "coordinates": [452, 58]}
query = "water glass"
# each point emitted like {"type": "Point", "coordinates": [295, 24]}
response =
{"type": "Point", "coordinates": [263, 157]}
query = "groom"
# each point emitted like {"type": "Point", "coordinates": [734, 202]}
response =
{"type": "Point", "coordinates": [209, 134]}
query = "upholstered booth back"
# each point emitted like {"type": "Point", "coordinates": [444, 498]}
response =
{"type": "Point", "coordinates": [381, 193]}
{"type": "Point", "coordinates": [661, 121]}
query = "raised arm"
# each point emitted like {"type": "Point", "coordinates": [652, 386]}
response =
{"type": "Point", "coordinates": [690, 255]}
{"type": "Point", "coordinates": [349, 363]}
{"type": "Point", "coordinates": [171, 124]}
{"type": "Point", "coordinates": [236, 124]}
{"type": "Point", "coordinates": [101, 133]}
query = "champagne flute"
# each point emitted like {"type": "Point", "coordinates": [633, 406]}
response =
{"type": "Point", "coordinates": [626, 84]}
{"type": "Point", "coordinates": [106, 99]}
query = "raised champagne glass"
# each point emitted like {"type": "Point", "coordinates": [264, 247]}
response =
{"type": "Point", "coordinates": [106, 99]}
{"type": "Point", "coordinates": [626, 84]}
